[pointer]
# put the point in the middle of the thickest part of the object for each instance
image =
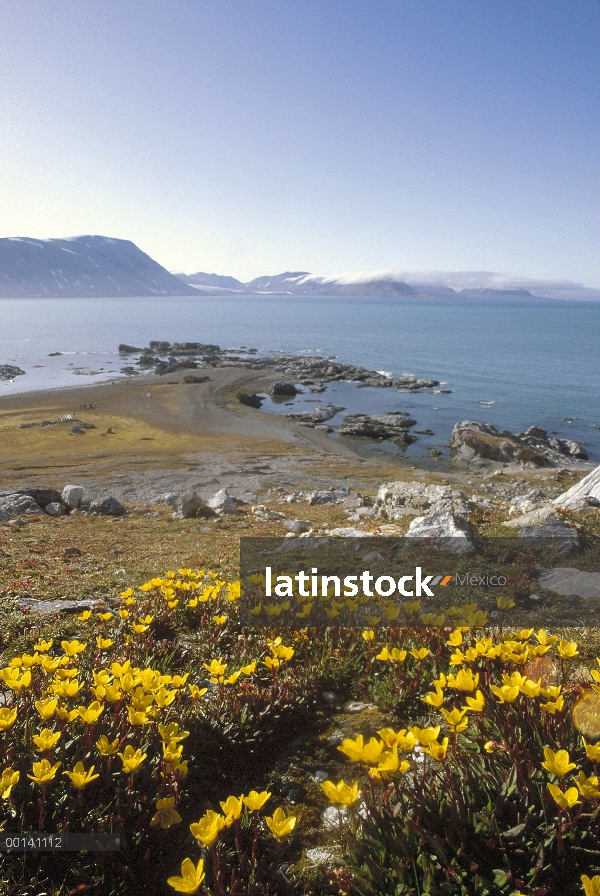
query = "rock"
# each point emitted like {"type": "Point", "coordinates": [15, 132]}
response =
{"type": "Point", "coordinates": [472, 441]}
{"type": "Point", "coordinates": [297, 526]}
{"type": "Point", "coordinates": [445, 531]}
{"type": "Point", "coordinates": [328, 496]}
{"type": "Point", "coordinates": [250, 400]}
{"type": "Point", "coordinates": [412, 384]}
{"type": "Point", "coordinates": [568, 581]}
{"type": "Point", "coordinates": [262, 512]}
{"type": "Point", "coordinates": [397, 499]}
{"type": "Point", "coordinates": [125, 349]}
{"type": "Point", "coordinates": [555, 534]}
{"type": "Point", "coordinates": [319, 855]}
{"type": "Point", "coordinates": [583, 495]}
{"type": "Point", "coordinates": [56, 509]}
{"type": "Point", "coordinates": [531, 519]}
{"type": "Point", "coordinates": [224, 503]}
{"type": "Point", "coordinates": [283, 389]}
{"type": "Point", "coordinates": [349, 532]}
{"type": "Point", "coordinates": [328, 697]}
{"type": "Point", "coordinates": [358, 706]}
{"type": "Point", "coordinates": [44, 607]}
{"type": "Point", "coordinates": [170, 498]}
{"type": "Point", "coordinates": [71, 552]}
{"type": "Point", "coordinates": [15, 505]}
{"type": "Point", "coordinates": [108, 507]}
{"type": "Point", "coordinates": [3, 516]}
{"type": "Point", "coordinates": [191, 505]}
{"type": "Point", "coordinates": [333, 816]}
{"type": "Point", "coordinates": [73, 496]}
{"type": "Point", "coordinates": [9, 372]}
{"type": "Point", "coordinates": [191, 378]}
{"type": "Point", "coordinates": [317, 416]}
{"type": "Point", "coordinates": [41, 496]}
{"type": "Point", "coordinates": [393, 427]}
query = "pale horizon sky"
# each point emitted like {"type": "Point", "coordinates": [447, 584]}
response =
{"type": "Point", "coordinates": [249, 138]}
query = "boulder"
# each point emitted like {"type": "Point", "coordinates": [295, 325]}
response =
{"type": "Point", "coordinates": [60, 605]}
{"type": "Point", "coordinates": [170, 498]}
{"type": "Point", "coordinates": [284, 389]}
{"type": "Point", "coordinates": [250, 400]}
{"type": "Point", "coordinates": [3, 516]}
{"type": "Point", "coordinates": [192, 378]}
{"type": "Point", "coordinates": [328, 496]}
{"type": "Point", "coordinates": [224, 503]}
{"type": "Point", "coordinates": [191, 505]}
{"type": "Point", "coordinates": [317, 416]}
{"type": "Point", "coordinates": [445, 531]}
{"type": "Point", "coordinates": [107, 507]}
{"type": "Point", "coordinates": [125, 349]}
{"type": "Point", "coordinates": [531, 519]}
{"type": "Point", "coordinates": [553, 533]}
{"type": "Point", "coordinates": [583, 495]}
{"type": "Point", "coordinates": [41, 496]}
{"type": "Point", "coordinates": [349, 532]}
{"type": "Point", "coordinates": [56, 509]}
{"type": "Point", "coordinates": [569, 581]}
{"type": "Point", "coordinates": [9, 372]}
{"type": "Point", "coordinates": [15, 505]}
{"type": "Point", "coordinates": [73, 496]}
{"type": "Point", "coordinates": [472, 441]}
{"type": "Point", "coordinates": [397, 499]}
{"type": "Point", "coordinates": [393, 427]}
{"type": "Point", "coordinates": [297, 526]}
{"type": "Point", "coordinates": [262, 512]}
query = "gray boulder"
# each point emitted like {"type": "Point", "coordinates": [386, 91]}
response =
{"type": "Point", "coordinates": [553, 533]}
{"type": "Point", "coordinates": [317, 416]}
{"type": "Point", "coordinates": [3, 516]}
{"type": "Point", "coordinates": [583, 495]}
{"type": "Point", "coordinates": [170, 498]}
{"type": "Point", "coordinates": [224, 503]}
{"type": "Point", "coordinates": [568, 581]}
{"type": "Point", "coordinates": [56, 509]}
{"type": "Point", "coordinates": [73, 496]}
{"type": "Point", "coordinates": [444, 531]}
{"type": "Point", "coordinates": [473, 442]}
{"type": "Point", "coordinates": [108, 507]}
{"type": "Point", "coordinates": [397, 499]}
{"type": "Point", "coordinates": [297, 526]}
{"type": "Point", "coordinates": [41, 496]}
{"type": "Point", "coordinates": [191, 505]}
{"type": "Point", "coordinates": [284, 389]}
{"type": "Point", "coordinates": [16, 505]}
{"type": "Point", "coordinates": [328, 496]}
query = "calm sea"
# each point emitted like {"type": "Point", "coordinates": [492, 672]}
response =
{"type": "Point", "coordinates": [511, 363]}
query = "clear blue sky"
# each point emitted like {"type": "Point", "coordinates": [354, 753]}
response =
{"type": "Point", "coordinates": [254, 136]}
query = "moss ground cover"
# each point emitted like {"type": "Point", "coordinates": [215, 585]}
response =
{"type": "Point", "coordinates": [471, 768]}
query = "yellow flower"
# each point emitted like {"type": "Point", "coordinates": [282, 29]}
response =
{"type": "Point", "coordinates": [90, 714]}
{"type": "Point", "coordinates": [107, 747]}
{"type": "Point", "coordinates": [216, 667]}
{"type": "Point", "coordinates": [588, 787]}
{"type": "Point", "coordinates": [7, 718]}
{"type": "Point", "coordinates": [171, 732]}
{"type": "Point", "coordinates": [372, 751]}
{"type": "Point", "coordinates": [43, 646]}
{"type": "Point", "coordinates": [464, 680]}
{"type": "Point", "coordinates": [505, 603]}
{"type": "Point", "coordinates": [438, 751]}
{"type": "Point", "coordinates": [164, 697]}
{"type": "Point", "coordinates": [455, 638]}
{"type": "Point", "coordinates": [232, 808]}
{"type": "Point", "coordinates": [389, 764]}
{"type": "Point", "coordinates": [208, 828]}
{"type": "Point", "coordinates": [434, 699]}
{"type": "Point", "coordinates": [506, 693]}
{"type": "Point", "coordinates": [592, 751]}
{"type": "Point", "coordinates": [368, 634]}
{"type": "Point", "coordinates": [341, 792]}
{"type": "Point", "coordinates": [43, 771]}
{"type": "Point", "coordinates": [196, 692]}
{"type": "Point", "coordinates": [72, 648]}
{"type": "Point", "coordinates": [83, 617]}
{"type": "Point", "coordinates": [271, 662]}
{"type": "Point", "coordinates": [46, 740]}
{"type": "Point", "coordinates": [166, 815]}
{"type": "Point", "coordinates": [14, 682]}
{"type": "Point", "coordinates": [103, 643]}
{"type": "Point", "coordinates": [557, 763]}
{"type": "Point", "coordinates": [424, 736]}
{"type": "Point", "coordinates": [124, 614]}
{"type": "Point", "coordinates": [476, 703]}
{"type": "Point", "coordinates": [138, 628]}
{"type": "Point", "coordinates": [406, 741]}
{"type": "Point", "coordinates": [591, 887]}
{"type": "Point", "coordinates": [566, 799]}
{"type": "Point", "coordinates": [249, 669]}
{"type": "Point", "coordinates": [567, 649]}
{"type": "Point", "coordinates": [353, 749]}
{"type": "Point", "coordinates": [66, 714]}
{"type": "Point", "coordinates": [191, 877]}
{"type": "Point", "coordinates": [456, 719]}
{"type": "Point", "coordinates": [281, 825]}
{"type": "Point", "coordinates": [132, 759]}
{"type": "Point", "coordinates": [104, 617]}
{"type": "Point", "coordinates": [531, 688]}
{"type": "Point", "coordinates": [255, 801]}
{"type": "Point", "coordinates": [8, 781]}
{"type": "Point", "coordinates": [420, 653]}
{"type": "Point", "coordinates": [137, 717]}
{"type": "Point", "coordinates": [219, 620]}
{"type": "Point", "coordinates": [79, 777]}
{"type": "Point", "coordinates": [553, 706]}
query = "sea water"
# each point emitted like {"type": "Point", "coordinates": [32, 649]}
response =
{"type": "Point", "coordinates": [513, 363]}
